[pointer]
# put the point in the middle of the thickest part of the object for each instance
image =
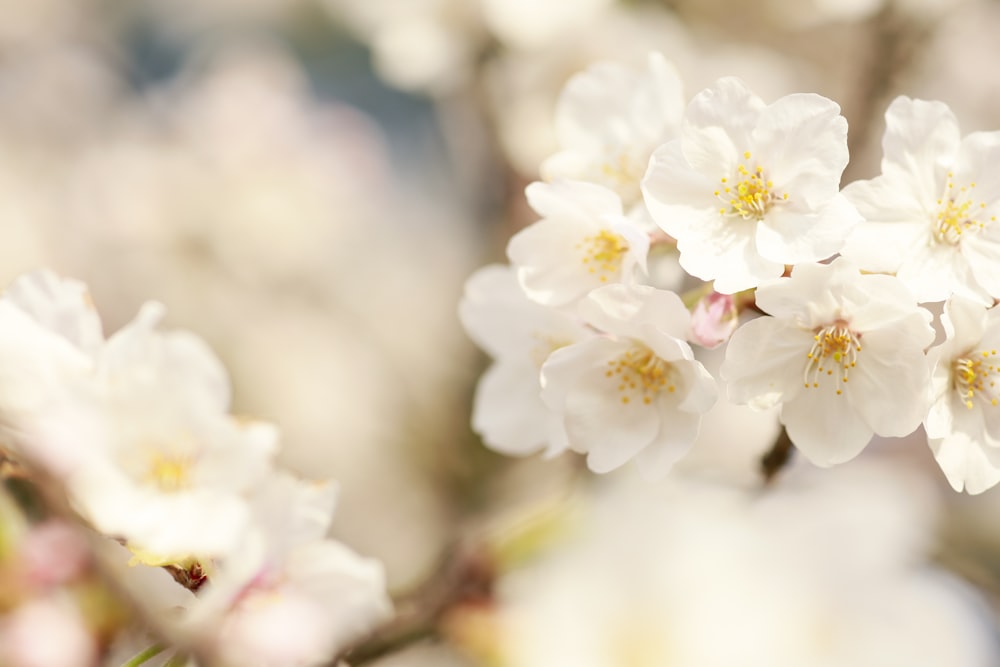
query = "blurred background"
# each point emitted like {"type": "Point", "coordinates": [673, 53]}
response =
{"type": "Point", "coordinates": [308, 183]}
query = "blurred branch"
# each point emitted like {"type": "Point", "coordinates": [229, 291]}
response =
{"type": "Point", "coordinates": [777, 457]}
{"type": "Point", "coordinates": [466, 576]}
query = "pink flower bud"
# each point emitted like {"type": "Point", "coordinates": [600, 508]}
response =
{"type": "Point", "coordinates": [714, 320]}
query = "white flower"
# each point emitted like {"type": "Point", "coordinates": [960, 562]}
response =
{"type": "Point", "coordinates": [931, 217]}
{"type": "Point", "coordinates": [519, 335]}
{"type": "Point", "coordinates": [749, 187]}
{"type": "Point", "coordinates": [963, 425]}
{"type": "Point", "coordinates": [635, 393]}
{"type": "Point", "coordinates": [583, 241]}
{"type": "Point", "coordinates": [289, 597]}
{"type": "Point", "coordinates": [166, 465]}
{"type": "Point", "coordinates": [610, 118]}
{"type": "Point", "coordinates": [843, 354]}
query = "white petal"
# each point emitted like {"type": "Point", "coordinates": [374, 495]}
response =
{"type": "Point", "coordinates": [824, 426]}
{"type": "Point", "coordinates": [790, 237]}
{"type": "Point", "coordinates": [967, 464]}
{"type": "Point", "coordinates": [921, 140]}
{"type": "Point", "coordinates": [718, 125]}
{"type": "Point", "coordinates": [508, 412]}
{"type": "Point", "coordinates": [765, 362]}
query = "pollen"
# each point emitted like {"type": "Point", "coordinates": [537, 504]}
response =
{"type": "Point", "coordinates": [169, 473]}
{"type": "Point", "coordinates": [833, 354]}
{"type": "Point", "coordinates": [957, 213]}
{"type": "Point", "coordinates": [602, 253]}
{"type": "Point", "coordinates": [752, 195]}
{"type": "Point", "coordinates": [641, 375]}
{"type": "Point", "coordinates": [974, 379]}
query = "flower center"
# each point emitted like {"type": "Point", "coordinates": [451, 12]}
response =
{"type": "Point", "coordinates": [974, 376]}
{"type": "Point", "coordinates": [751, 195]}
{"type": "Point", "coordinates": [602, 253]}
{"type": "Point", "coordinates": [835, 350]}
{"type": "Point", "coordinates": [169, 473]}
{"type": "Point", "coordinates": [957, 213]}
{"type": "Point", "coordinates": [639, 372]}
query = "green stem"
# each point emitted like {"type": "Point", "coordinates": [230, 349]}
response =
{"type": "Point", "coordinates": [142, 657]}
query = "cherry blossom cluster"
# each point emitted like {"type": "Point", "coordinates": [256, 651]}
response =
{"type": "Point", "coordinates": [721, 220]}
{"type": "Point", "coordinates": [136, 430]}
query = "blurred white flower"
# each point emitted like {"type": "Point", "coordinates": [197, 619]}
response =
{"type": "Point", "coordinates": [610, 118]}
{"type": "Point", "coordinates": [963, 425]}
{"type": "Point", "coordinates": [288, 596]}
{"type": "Point", "coordinates": [749, 187]}
{"type": "Point", "coordinates": [519, 335]}
{"type": "Point", "coordinates": [166, 464]}
{"type": "Point", "coordinates": [931, 217]}
{"type": "Point", "coordinates": [636, 392]}
{"type": "Point", "coordinates": [46, 632]}
{"type": "Point", "coordinates": [826, 569]}
{"type": "Point", "coordinates": [583, 241]}
{"type": "Point", "coordinates": [842, 353]}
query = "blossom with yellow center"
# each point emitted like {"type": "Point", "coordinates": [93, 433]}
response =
{"type": "Point", "coordinates": [636, 392]}
{"type": "Point", "coordinates": [963, 422]}
{"type": "Point", "coordinates": [750, 187]}
{"type": "Point", "coordinates": [930, 217]}
{"type": "Point", "coordinates": [841, 352]}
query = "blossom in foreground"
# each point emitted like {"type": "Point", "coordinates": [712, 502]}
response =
{"type": "Point", "coordinates": [636, 392]}
{"type": "Point", "coordinates": [508, 412]}
{"type": "Point", "coordinates": [290, 596]}
{"type": "Point", "coordinates": [931, 216]}
{"type": "Point", "coordinates": [610, 118]}
{"type": "Point", "coordinates": [842, 353]}
{"type": "Point", "coordinates": [167, 466]}
{"type": "Point", "coordinates": [582, 242]}
{"type": "Point", "coordinates": [749, 187]}
{"type": "Point", "coordinates": [963, 425]}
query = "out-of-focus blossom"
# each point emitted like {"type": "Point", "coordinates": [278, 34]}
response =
{"type": "Point", "coordinates": [688, 573]}
{"type": "Point", "coordinates": [46, 632]}
{"type": "Point", "coordinates": [842, 353]}
{"type": "Point", "coordinates": [636, 392]}
{"type": "Point", "coordinates": [610, 118]}
{"type": "Point", "coordinates": [53, 553]}
{"type": "Point", "coordinates": [749, 187]}
{"type": "Point", "coordinates": [931, 217]}
{"type": "Point", "coordinates": [519, 335]}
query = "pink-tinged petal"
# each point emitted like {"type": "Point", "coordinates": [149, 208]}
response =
{"type": "Point", "coordinates": [714, 320]}
{"type": "Point", "coordinates": [790, 236]}
{"type": "Point", "coordinates": [572, 200]}
{"type": "Point", "coordinates": [921, 140]}
{"type": "Point", "coordinates": [824, 426]}
{"type": "Point", "coordinates": [718, 126]}
{"type": "Point", "coordinates": [677, 196]}
{"type": "Point", "coordinates": [508, 412]}
{"type": "Point", "coordinates": [968, 465]}
{"type": "Point", "coordinates": [889, 387]}
{"type": "Point", "coordinates": [801, 140]}
{"type": "Point", "coordinates": [765, 362]}
{"type": "Point", "coordinates": [678, 431]}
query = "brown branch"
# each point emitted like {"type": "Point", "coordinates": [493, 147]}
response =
{"type": "Point", "coordinates": [777, 457]}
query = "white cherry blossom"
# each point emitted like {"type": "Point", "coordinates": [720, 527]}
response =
{"type": "Point", "coordinates": [842, 352]}
{"type": "Point", "coordinates": [636, 392]}
{"type": "Point", "coordinates": [931, 216]}
{"type": "Point", "coordinates": [583, 241]}
{"type": "Point", "coordinates": [963, 425]}
{"type": "Point", "coordinates": [167, 466]}
{"type": "Point", "coordinates": [519, 335]}
{"type": "Point", "coordinates": [750, 187]}
{"type": "Point", "coordinates": [610, 118]}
